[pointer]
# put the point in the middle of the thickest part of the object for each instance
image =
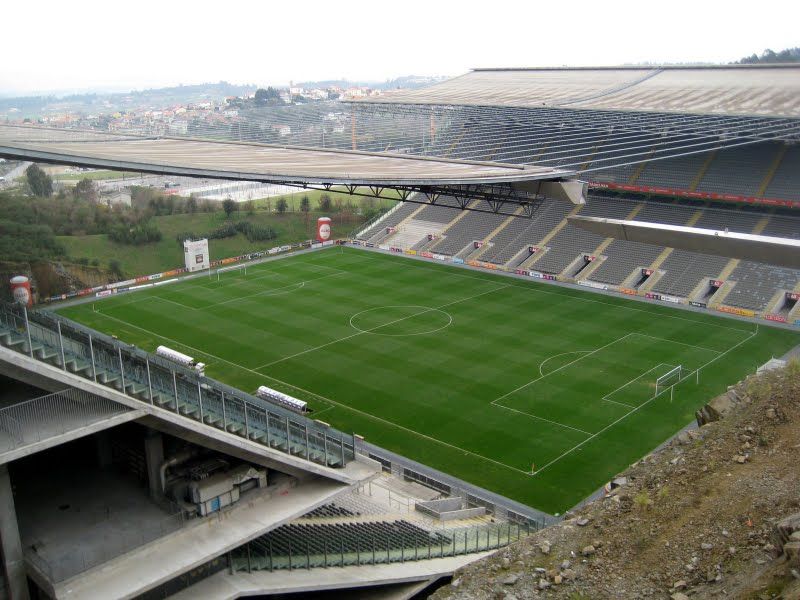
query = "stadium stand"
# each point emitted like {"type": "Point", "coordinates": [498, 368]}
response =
{"type": "Point", "coordinates": [518, 235]}
{"type": "Point", "coordinates": [679, 273]}
{"type": "Point", "coordinates": [474, 226]}
{"type": "Point", "coordinates": [784, 182]}
{"type": "Point", "coordinates": [740, 169]}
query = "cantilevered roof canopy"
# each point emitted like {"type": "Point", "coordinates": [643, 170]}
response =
{"type": "Point", "coordinates": [753, 90]}
{"type": "Point", "coordinates": [250, 161]}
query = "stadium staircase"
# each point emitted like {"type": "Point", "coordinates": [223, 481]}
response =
{"type": "Point", "coordinates": [703, 170]}
{"type": "Point", "coordinates": [637, 173]}
{"type": "Point", "coordinates": [762, 189]}
{"type": "Point", "coordinates": [586, 273]}
{"type": "Point", "coordinates": [460, 215]}
{"type": "Point", "coordinates": [489, 239]}
{"type": "Point", "coordinates": [655, 266]}
{"type": "Point", "coordinates": [526, 264]}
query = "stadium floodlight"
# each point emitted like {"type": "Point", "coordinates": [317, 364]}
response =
{"type": "Point", "coordinates": [668, 380]}
{"type": "Point", "coordinates": [242, 268]}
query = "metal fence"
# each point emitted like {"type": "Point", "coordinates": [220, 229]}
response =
{"type": "Point", "coordinates": [152, 380]}
{"type": "Point", "coordinates": [475, 497]}
{"type": "Point", "coordinates": [55, 414]}
{"type": "Point", "coordinates": [280, 550]}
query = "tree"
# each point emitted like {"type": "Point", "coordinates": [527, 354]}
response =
{"type": "Point", "coordinates": [86, 190]}
{"type": "Point", "coordinates": [305, 206]}
{"type": "Point", "coordinates": [250, 207]}
{"type": "Point", "coordinates": [269, 96]}
{"type": "Point", "coordinates": [41, 183]}
{"type": "Point", "coordinates": [115, 267]}
{"type": "Point", "coordinates": [281, 205]}
{"type": "Point", "coordinates": [325, 203]}
{"type": "Point", "coordinates": [191, 204]}
{"type": "Point", "coordinates": [228, 206]}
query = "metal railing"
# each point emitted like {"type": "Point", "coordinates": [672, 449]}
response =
{"type": "Point", "coordinates": [55, 414]}
{"type": "Point", "coordinates": [152, 380]}
{"type": "Point", "coordinates": [450, 486]}
{"type": "Point", "coordinates": [275, 551]}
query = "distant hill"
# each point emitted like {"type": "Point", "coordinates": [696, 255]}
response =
{"type": "Point", "coordinates": [34, 106]}
{"type": "Point", "coordinates": [790, 55]}
{"type": "Point", "coordinates": [406, 82]}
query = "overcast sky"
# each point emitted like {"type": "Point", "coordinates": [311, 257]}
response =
{"type": "Point", "coordinates": [82, 44]}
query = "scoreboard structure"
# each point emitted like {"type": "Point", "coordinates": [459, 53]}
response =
{"type": "Point", "coordinates": [195, 255]}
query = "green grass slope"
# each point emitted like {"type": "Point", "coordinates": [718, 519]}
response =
{"type": "Point", "coordinates": [168, 253]}
{"type": "Point", "coordinates": [475, 374]}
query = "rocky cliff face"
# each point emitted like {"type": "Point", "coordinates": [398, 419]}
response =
{"type": "Point", "coordinates": [715, 513]}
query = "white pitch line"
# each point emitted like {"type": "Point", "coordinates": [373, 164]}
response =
{"type": "Point", "coordinates": [681, 343]}
{"type": "Point", "coordinates": [610, 425]}
{"type": "Point", "coordinates": [541, 364]}
{"type": "Point", "coordinates": [622, 306]}
{"type": "Point", "coordinates": [588, 353]}
{"type": "Point", "coordinates": [626, 384]}
{"type": "Point", "coordinates": [333, 402]}
{"type": "Point", "coordinates": [538, 418]}
{"type": "Point", "coordinates": [269, 292]}
{"type": "Point", "coordinates": [362, 332]}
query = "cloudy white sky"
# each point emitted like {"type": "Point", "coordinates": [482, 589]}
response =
{"type": "Point", "coordinates": [86, 44]}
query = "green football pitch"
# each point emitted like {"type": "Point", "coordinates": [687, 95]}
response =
{"type": "Point", "coordinates": [537, 392]}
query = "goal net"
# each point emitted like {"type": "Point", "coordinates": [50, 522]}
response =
{"type": "Point", "coordinates": [234, 269]}
{"type": "Point", "coordinates": [669, 379]}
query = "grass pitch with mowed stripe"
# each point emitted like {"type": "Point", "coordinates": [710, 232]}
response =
{"type": "Point", "coordinates": [482, 376]}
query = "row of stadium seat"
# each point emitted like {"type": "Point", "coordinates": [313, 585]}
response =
{"type": "Point", "coordinates": [681, 272]}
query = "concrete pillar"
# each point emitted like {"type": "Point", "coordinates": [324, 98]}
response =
{"type": "Point", "coordinates": [13, 561]}
{"type": "Point", "coordinates": [104, 454]}
{"type": "Point", "coordinates": [154, 455]}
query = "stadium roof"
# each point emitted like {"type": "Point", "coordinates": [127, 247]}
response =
{"type": "Point", "coordinates": [252, 161]}
{"type": "Point", "coordinates": [755, 90]}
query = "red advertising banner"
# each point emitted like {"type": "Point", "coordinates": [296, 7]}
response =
{"type": "Point", "coordinates": [776, 318]}
{"type": "Point", "coordinates": [662, 191]}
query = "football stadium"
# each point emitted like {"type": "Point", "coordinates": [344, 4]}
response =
{"type": "Point", "coordinates": [457, 373]}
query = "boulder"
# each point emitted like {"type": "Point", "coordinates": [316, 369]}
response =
{"type": "Point", "coordinates": [588, 550]}
{"type": "Point", "coordinates": [716, 409]}
{"type": "Point", "coordinates": [511, 580]}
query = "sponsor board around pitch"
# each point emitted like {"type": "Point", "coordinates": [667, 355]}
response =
{"type": "Point", "coordinates": [628, 291]}
{"type": "Point", "coordinates": [457, 261]}
{"type": "Point", "coordinates": [698, 304]}
{"type": "Point", "coordinates": [733, 310]}
{"type": "Point", "coordinates": [411, 252]}
{"type": "Point", "coordinates": [593, 284]}
{"type": "Point", "coordinates": [776, 318]}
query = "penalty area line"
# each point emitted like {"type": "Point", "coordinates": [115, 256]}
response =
{"type": "Point", "coordinates": [641, 406]}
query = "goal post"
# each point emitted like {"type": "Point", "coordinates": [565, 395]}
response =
{"type": "Point", "coordinates": [241, 268]}
{"type": "Point", "coordinates": [669, 379]}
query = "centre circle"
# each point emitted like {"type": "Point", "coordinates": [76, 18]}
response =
{"type": "Point", "coordinates": [401, 320]}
